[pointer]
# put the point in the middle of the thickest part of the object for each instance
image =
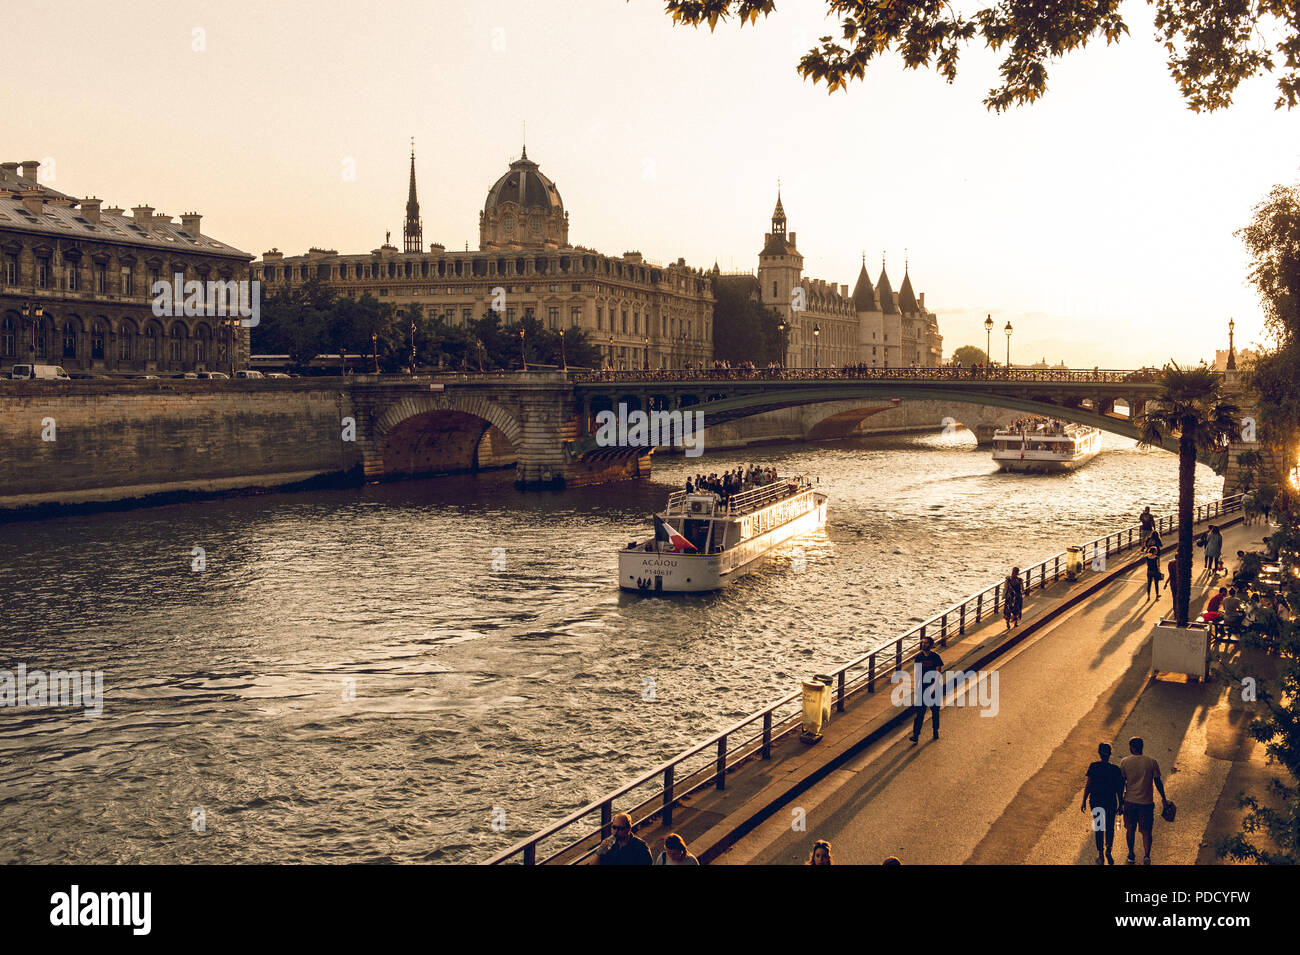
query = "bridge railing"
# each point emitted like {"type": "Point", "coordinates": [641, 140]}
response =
{"type": "Point", "coordinates": [708, 763]}
{"type": "Point", "coordinates": [868, 373]}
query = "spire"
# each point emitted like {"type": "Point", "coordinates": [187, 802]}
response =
{"type": "Point", "coordinates": [412, 231]}
{"type": "Point", "coordinates": [864, 296]}
{"type": "Point", "coordinates": [884, 291]}
{"type": "Point", "coordinates": [778, 214]}
{"type": "Point", "coordinates": [906, 297]}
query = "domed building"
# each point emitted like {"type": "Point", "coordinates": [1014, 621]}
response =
{"type": "Point", "coordinates": [523, 210]}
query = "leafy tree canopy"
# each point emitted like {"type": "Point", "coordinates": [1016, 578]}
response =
{"type": "Point", "coordinates": [1211, 45]}
{"type": "Point", "coordinates": [970, 355]}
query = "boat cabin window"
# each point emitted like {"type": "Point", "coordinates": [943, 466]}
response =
{"type": "Point", "coordinates": [697, 532]}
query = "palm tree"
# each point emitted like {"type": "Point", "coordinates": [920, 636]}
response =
{"type": "Point", "coordinates": [1192, 406]}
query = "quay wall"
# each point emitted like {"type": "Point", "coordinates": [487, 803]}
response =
{"type": "Point", "coordinates": [78, 443]}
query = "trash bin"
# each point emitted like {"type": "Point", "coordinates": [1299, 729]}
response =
{"type": "Point", "coordinates": [816, 709]}
{"type": "Point", "coordinates": [1073, 562]}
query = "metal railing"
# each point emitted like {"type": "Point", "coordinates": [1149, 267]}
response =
{"type": "Point", "coordinates": [708, 763]}
{"type": "Point", "coordinates": [870, 373]}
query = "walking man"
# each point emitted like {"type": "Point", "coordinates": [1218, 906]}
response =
{"type": "Point", "coordinates": [1153, 570]}
{"type": "Point", "coordinates": [1101, 792]}
{"type": "Point", "coordinates": [928, 689]}
{"type": "Point", "coordinates": [1147, 521]}
{"type": "Point", "coordinates": [1140, 774]}
{"type": "Point", "coordinates": [1213, 548]}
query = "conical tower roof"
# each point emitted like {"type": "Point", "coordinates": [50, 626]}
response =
{"type": "Point", "coordinates": [885, 292]}
{"type": "Point", "coordinates": [864, 294]}
{"type": "Point", "coordinates": [906, 297]}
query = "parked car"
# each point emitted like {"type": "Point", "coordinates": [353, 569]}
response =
{"type": "Point", "coordinates": [186, 374]}
{"type": "Point", "coordinates": [276, 374]}
{"type": "Point", "coordinates": [248, 373]}
{"type": "Point", "coordinates": [38, 372]}
{"type": "Point", "coordinates": [214, 376]}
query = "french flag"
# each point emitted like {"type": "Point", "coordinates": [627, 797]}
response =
{"type": "Point", "coordinates": [666, 533]}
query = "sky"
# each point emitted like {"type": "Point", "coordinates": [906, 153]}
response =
{"type": "Point", "coordinates": [1099, 221]}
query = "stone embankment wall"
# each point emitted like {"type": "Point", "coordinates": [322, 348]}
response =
{"type": "Point", "coordinates": [80, 443]}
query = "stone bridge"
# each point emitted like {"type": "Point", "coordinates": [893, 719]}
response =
{"type": "Point", "coordinates": [545, 421]}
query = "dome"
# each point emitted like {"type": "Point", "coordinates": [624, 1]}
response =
{"type": "Point", "coordinates": [526, 187]}
{"type": "Point", "coordinates": [523, 209]}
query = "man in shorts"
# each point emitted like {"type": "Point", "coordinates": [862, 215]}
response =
{"type": "Point", "coordinates": [1141, 773]}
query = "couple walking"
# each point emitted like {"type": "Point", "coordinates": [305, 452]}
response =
{"type": "Point", "coordinates": [1126, 789]}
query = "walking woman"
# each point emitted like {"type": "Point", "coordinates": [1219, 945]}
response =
{"type": "Point", "coordinates": [1013, 599]}
{"type": "Point", "coordinates": [1153, 570]}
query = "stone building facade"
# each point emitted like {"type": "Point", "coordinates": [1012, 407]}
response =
{"type": "Point", "coordinates": [76, 280]}
{"type": "Point", "coordinates": [828, 327]}
{"type": "Point", "coordinates": [641, 314]}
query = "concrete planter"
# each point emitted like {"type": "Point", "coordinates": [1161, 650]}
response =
{"type": "Point", "coordinates": [1184, 650]}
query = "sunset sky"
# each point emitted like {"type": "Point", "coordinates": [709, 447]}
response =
{"type": "Point", "coordinates": [1099, 221]}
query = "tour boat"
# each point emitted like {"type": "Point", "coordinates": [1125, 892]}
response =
{"type": "Point", "coordinates": [701, 544]}
{"type": "Point", "coordinates": [1045, 445]}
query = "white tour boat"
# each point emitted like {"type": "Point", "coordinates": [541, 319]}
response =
{"type": "Point", "coordinates": [701, 544]}
{"type": "Point", "coordinates": [1045, 445]}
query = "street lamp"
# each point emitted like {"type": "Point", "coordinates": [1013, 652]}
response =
{"type": "Point", "coordinates": [563, 361]}
{"type": "Point", "coordinates": [988, 339]}
{"type": "Point", "coordinates": [646, 353]}
{"type": "Point", "coordinates": [34, 313]}
{"type": "Point", "coordinates": [1008, 331]}
{"type": "Point", "coordinates": [374, 351]}
{"type": "Point", "coordinates": [781, 328]}
{"type": "Point", "coordinates": [1231, 364]}
{"type": "Point", "coordinates": [817, 352]}
{"type": "Point", "coordinates": [610, 357]}
{"type": "Point", "coordinates": [523, 357]}
{"type": "Point", "coordinates": [413, 348]}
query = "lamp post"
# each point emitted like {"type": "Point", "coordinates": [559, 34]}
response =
{"type": "Point", "coordinates": [646, 354]}
{"type": "Point", "coordinates": [33, 313]}
{"type": "Point", "coordinates": [1231, 364]}
{"type": "Point", "coordinates": [374, 350]}
{"type": "Point", "coordinates": [611, 351]}
{"type": "Point", "coordinates": [817, 349]}
{"type": "Point", "coordinates": [1008, 331]}
{"type": "Point", "coordinates": [564, 363]}
{"type": "Point", "coordinates": [522, 357]}
{"type": "Point", "coordinates": [478, 350]}
{"type": "Point", "coordinates": [413, 348]}
{"type": "Point", "coordinates": [781, 328]}
{"type": "Point", "coordinates": [988, 339]}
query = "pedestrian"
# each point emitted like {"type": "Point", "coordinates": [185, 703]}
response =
{"type": "Point", "coordinates": [1153, 570]}
{"type": "Point", "coordinates": [1140, 773]}
{"type": "Point", "coordinates": [1154, 540]}
{"type": "Point", "coordinates": [1213, 548]}
{"type": "Point", "coordinates": [622, 848]}
{"type": "Point", "coordinates": [928, 690]}
{"type": "Point", "coordinates": [1147, 521]}
{"type": "Point", "coordinates": [821, 853]}
{"type": "Point", "coordinates": [675, 852]}
{"type": "Point", "coordinates": [1013, 598]}
{"type": "Point", "coordinates": [1101, 793]}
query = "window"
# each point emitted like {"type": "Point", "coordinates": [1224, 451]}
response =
{"type": "Point", "coordinates": [151, 343]}
{"type": "Point", "coordinates": [600, 317]}
{"type": "Point", "coordinates": [177, 349]}
{"type": "Point", "coordinates": [97, 336]}
{"type": "Point", "coordinates": [636, 323]}
{"type": "Point", "coordinates": [101, 278]}
{"type": "Point", "coordinates": [624, 321]}
{"type": "Point", "coordinates": [73, 281]}
{"type": "Point", "coordinates": [510, 316]}
{"type": "Point", "coordinates": [774, 295]}
{"type": "Point", "coordinates": [128, 281]}
{"type": "Point", "coordinates": [43, 273]}
{"type": "Point", "coordinates": [575, 316]}
{"type": "Point", "coordinates": [466, 316]}
{"type": "Point", "coordinates": [7, 338]}
{"type": "Point", "coordinates": [11, 270]}
{"type": "Point", "coordinates": [155, 276]}
{"type": "Point", "coordinates": [124, 342]}
{"type": "Point", "coordinates": [553, 317]}
{"type": "Point", "coordinates": [42, 339]}
{"type": "Point", "coordinates": [69, 340]}
{"type": "Point", "coordinates": [200, 349]}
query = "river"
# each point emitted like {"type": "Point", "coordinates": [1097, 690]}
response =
{"type": "Point", "coordinates": [381, 674]}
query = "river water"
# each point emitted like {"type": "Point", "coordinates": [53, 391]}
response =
{"type": "Point", "coordinates": [430, 671]}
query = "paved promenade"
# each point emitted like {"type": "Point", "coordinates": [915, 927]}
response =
{"type": "Point", "coordinates": [1006, 789]}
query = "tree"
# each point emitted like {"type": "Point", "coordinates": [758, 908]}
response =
{"type": "Point", "coordinates": [1211, 45]}
{"type": "Point", "coordinates": [743, 328]}
{"type": "Point", "coordinates": [1273, 241]}
{"type": "Point", "coordinates": [1192, 406]}
{"type": "Point", "coordinates": [970, 355]}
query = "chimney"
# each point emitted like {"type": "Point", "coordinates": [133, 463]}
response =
{"type": "Point", "coordinates": [90, 209]}
{"type": "Point", "coordinates": [794, 239]}
{"type": "Point", "coordinates": [161, 219]}
{"type": "Point", "coordinates": [190, 222]}
{"type": "Point", "coordinates": [921, 300]}
{"type": "Point", "coordinates": [29, 169]}
{"type": "Point", "coordinates": [143, 215]}
{"type": "Point", "coordinates": [32, 202]}
{"type": "Point", "coordinates": [844, 291]}
{"type": "Point", "coordinates": [113, 210]}
{"type": "Point", "coordinates": [9, 169]}
{"type": "Point", "coordinates": [275, 255]}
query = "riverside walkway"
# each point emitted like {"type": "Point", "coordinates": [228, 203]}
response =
{"type": "Point", "coordinates": [865, 787]}
{"type": "Point", "coordinates": [1007, 789]}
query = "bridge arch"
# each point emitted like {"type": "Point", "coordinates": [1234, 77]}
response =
{"type": "Point", "coordinates": [428, 434]}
